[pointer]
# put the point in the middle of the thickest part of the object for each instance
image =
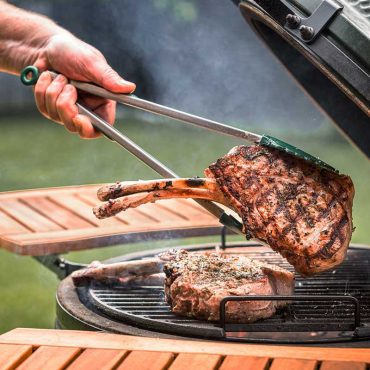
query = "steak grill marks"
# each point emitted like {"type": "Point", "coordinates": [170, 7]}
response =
{"type": "Point", "coordinates": [302, 211]}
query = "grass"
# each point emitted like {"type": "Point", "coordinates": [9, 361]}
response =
{"type": "Point", "coordinates": [35, 153]}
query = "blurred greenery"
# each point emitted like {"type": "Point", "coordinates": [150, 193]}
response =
{"type": "Point", "coordinates": [183, 10]}
{"type": "Point", "coordinates": [36, 153]}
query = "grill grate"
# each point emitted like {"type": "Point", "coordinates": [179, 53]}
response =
{"type": "Point", "coordinates": [303, 320]}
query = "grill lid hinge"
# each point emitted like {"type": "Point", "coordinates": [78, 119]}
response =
{"type": "Point", "coordinates": [307, 29]}
{"type": "Point", "coordinates": [59, 265]}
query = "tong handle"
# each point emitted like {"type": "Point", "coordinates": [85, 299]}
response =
{"type": "Point", "coordinates": [30, 74]}
{"type": "Point", "coordinates": [133, 101]}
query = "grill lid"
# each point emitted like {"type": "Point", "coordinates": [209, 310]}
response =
{"type": "Point", "coordinates": [331, 63]}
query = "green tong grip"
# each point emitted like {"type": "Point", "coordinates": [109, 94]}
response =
{"type": "Point", "coordinates": [273, 142]}
{"type": "Point", "coordinates": [30, 75]}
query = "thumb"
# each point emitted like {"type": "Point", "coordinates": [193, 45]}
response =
{"type": "Point", "coordinates": [109, 79]}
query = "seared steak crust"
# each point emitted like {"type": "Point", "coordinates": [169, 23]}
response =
{"type": "Point", "coordinates": [196, 283]}
{"type": "Point", "coordinates": [301, 211]}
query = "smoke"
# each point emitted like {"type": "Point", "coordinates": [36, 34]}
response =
{"type": "Point", "coordinates": [213, 65]}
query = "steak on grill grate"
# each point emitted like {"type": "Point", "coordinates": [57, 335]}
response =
{"type": "Point", "coordinates": [301, 211]}
{"type": "Point", "coordinates": [196, 283]}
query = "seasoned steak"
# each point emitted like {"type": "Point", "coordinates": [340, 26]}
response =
{"type": "Point", "coordinates": [196, 283]}
{"type": "Point", "coordinates": [301, 211]}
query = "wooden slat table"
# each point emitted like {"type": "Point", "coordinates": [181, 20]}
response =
{"type": "Point", "coordinates": [58, 220]}
{"type": "Point", "coordinates": [76, 350]}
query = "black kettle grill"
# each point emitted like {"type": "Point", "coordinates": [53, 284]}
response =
{"type": "Point", "coordinates": [325, 46]}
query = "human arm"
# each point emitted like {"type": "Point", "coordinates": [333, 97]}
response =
{"type": "Point", "coordinates": [27, 38]}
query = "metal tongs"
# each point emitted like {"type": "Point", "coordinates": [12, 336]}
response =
{"type": "Point", "coordinates": [30, 75]}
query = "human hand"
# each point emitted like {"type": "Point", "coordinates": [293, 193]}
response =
{"type": "Point", "coordinates": [76, 60]}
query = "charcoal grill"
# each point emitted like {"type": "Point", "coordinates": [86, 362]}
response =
{"type": "Point", "coordinates": [331, 307]}
{"type": "Point", "coordinates": [330, 61]}
{"type": "Point", "coordinates": [332, 65]}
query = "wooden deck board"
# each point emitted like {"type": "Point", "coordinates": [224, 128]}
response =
{"type": "Point", "coordinates": [137, 360]}
{"type": "Point", "coordinates": [27, 216]}
{"type": "Point", "coordinates": [339, 365]}
{"type": "Point", "coordinates": [244, 362]}
{"type": "Point", "coordinates": [58, 220]}
{"type": "Point", "coordinates": [57, 213]}
{"type": "Point", "coordinates": [186, 361]}
{"type": "Point", "coordinates": [293, 364]}
{"type": "Point", "coordinates": [9, 226]}
{"type": "Point", "coordinates": [82, 339]}
{"type": "Point", "coordinates": [80, 350]}
{"type": "Point", "coordinates": [98, 359]}
{"type": "Point", "coordinates": [11, 355]}
{"type": "Point", "coordinates": [51, 358]}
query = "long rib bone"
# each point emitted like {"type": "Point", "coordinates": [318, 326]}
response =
{"type": "Point", "coordinates": [117, 272]}
{"type": "Point", "coordinates": [181, 188]}
{"type": "Point", "coordinates": [120, 189]}
{"type": "Point", "coordinates": [145, 272]}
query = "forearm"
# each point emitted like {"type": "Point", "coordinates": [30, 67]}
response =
{"type": "Point", "coordinates": [23, 36]}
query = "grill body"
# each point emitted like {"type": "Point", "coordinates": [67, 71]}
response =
{"type": "Point", "coordinates": [143, 310]}
{"type": "Point", "coordinates": [334, 70]}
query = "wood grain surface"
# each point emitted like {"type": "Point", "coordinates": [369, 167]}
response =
{"type": "Point", "coordinates": [58, 220]}
{"type": "Point", "coordinates": [84, 339]}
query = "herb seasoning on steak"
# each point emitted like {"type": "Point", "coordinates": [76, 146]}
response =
{"type": "Point", "coordinates": [196, 283]}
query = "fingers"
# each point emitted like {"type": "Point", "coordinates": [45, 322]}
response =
{"type": "Point", "coordinates": [66, 107]}
{"type": "Point", "coordinates": [84, 127]}
{"type": "Point", "coordinates": [43, 83]}
{"type": "Point", "coordinates": [52, 94]}
{"type": "Point", "coordinates": [104, 108]}
{"type": "Point", "coordinates": [107, 111]}
{"type": "Point", "coordinates": [56, 100]}
{"type": "Point", "coordinates": [105, 76]}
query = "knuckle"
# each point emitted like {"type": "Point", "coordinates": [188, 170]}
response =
{"type": "Point", "coordinates": [109, 73]}
{"type": "Point", "coordinates": [51, 92]}
{"type": "Point", "coordinates": [45, 76]}
{"type": "Point", "coordinates": [66, 97]}
{"type": "Point", "coordinates": [61, 103]}
{"type": "Point", "coordinates": [56, 87]}
{"type": "Point", "coordinates": [61, 79]}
